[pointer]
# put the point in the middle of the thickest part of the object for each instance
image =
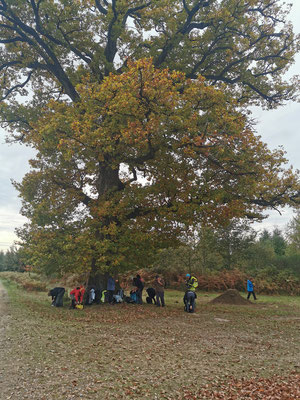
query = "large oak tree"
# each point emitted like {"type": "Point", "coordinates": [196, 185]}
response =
{"type": "Point", "coordinates": [101, 123]}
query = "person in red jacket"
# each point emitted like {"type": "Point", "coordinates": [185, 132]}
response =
{"type": "Point", "coordinates": [75, 297]}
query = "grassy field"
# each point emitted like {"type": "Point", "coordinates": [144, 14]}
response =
{"type": "Point", "coordinates": [144, 352]}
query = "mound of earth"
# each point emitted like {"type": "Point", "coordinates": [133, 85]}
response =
{"type": "Point", "coordinates": [231, 296]}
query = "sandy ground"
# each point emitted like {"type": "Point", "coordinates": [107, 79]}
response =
{"type": "Point", "coordinates": [4, 340]}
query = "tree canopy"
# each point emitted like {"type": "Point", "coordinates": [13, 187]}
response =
{"type": "Point", "coordinates": [142, 155]}
{"type": "Point", "coordinates": [47, 46]}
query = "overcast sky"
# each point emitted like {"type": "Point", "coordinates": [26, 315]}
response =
{"type": "Point", "coordinates": [277, 127]}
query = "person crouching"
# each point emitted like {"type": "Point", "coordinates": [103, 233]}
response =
{"type": "Point", "coordinates": [57, 295]}
{"type": "Point", "coordinates": [75, 297]}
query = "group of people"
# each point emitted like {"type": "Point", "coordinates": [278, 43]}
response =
{"type": "Point", "coordinates": [76, 296]}
{"type": "Point", "coordinates": [155, 293]}
{"type": "Point", "coordinates": [190, 294]}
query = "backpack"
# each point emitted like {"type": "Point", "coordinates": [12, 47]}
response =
{"type": "Point", "coordinates": [149, 300]}
{"type": "Point", "coordinates": [128, 300]}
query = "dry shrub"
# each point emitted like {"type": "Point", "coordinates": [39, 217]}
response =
{"type": "Point", "coordinates": [278, 285]}
{"type": "Point", "coordinates": [30, 282]}
{"type": "Point", "coordinates": [35, 286]}
{"type": "Point", "coordinates": [223, 280]}
{"type": "Point", "coordinates": [220, 281]}
{"type": "Point", "coordinates": [146, 275]}
{"type": "Point", "coordinates": [236, 279]}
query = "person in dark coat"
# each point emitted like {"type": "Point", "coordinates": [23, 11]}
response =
{"type": "Point", "coordinates": [151, 295]}
{"type": "Point", "coordinates": [138, 282]}
{"type": "Point", "coordinates": [57, 295]}
{"type": "Point", "coordinates": [98, 296]}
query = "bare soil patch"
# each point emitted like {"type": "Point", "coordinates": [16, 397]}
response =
{"type": "Point", "coordinates": [231, 296]}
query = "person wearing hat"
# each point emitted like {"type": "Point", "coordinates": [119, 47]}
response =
{"type": "Point", "coordinates": [191, 282]}
{"type": "Point", "coordinates": [190, 294]}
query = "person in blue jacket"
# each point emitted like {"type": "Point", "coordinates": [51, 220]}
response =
{"type": "Point", "coordinates": [250, 289]}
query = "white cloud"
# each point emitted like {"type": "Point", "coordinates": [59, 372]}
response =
{"type": "Point", "coordinates": [10, 219]}
{"type": "Point", "coordinates": [13, 165]}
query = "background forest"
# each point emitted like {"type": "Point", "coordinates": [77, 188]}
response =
{"type": "Point", "coordinates": [221, 258]}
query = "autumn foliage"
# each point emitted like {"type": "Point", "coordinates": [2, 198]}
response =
{"type": "Point", "coordinates": [275, 388]}
{"type": "Point", "coordinates": [142, 155]}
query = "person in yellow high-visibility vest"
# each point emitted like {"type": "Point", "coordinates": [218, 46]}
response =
{"type": "Point", "coordinates": [190, 294]}
{"type": "Point", "coordinates": [191, 282]}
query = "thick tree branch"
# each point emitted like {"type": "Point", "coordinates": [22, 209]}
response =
{"type": "Point", "coordinates": [10, 64]}
{"type": "Point", "coordinates": [110, 50]}
{"type": "Point", "coordinates": [100, 7]}
{"type": "Point", "coordinates": [185, 7]}
{"type": "Point", "coordinates": [18, 86]}
{"type": "Point", "coordinates": [47, 54]}
{"type": "Point", "coordinates": [76, 51]}
{"type": "Point", "coordinates": [84, 198]}
{"type": "Point", "coordinates": [39, 26]}
{"type": "Point", "coordinates": [185, 29]}
{"type": "Point", "coordinates": [132, 11]}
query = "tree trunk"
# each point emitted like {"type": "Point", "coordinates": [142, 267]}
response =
{"type": "Point", "coordinates": [108, 182]}
{"type": "Point", "coordinates": [96, 279]}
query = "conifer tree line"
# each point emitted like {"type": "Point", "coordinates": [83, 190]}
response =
{"type": "Point", "coordinates": [10, 260]}
{"type": "Point", "coordinates": [268, 255]}
{"type": "Point", "coordinates": [139, 115]}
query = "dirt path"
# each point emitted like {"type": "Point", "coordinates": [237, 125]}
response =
{"type": "Point", "coordinates": [4, 317]}
{"type": "Point", "coordinates": [4, 343]}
